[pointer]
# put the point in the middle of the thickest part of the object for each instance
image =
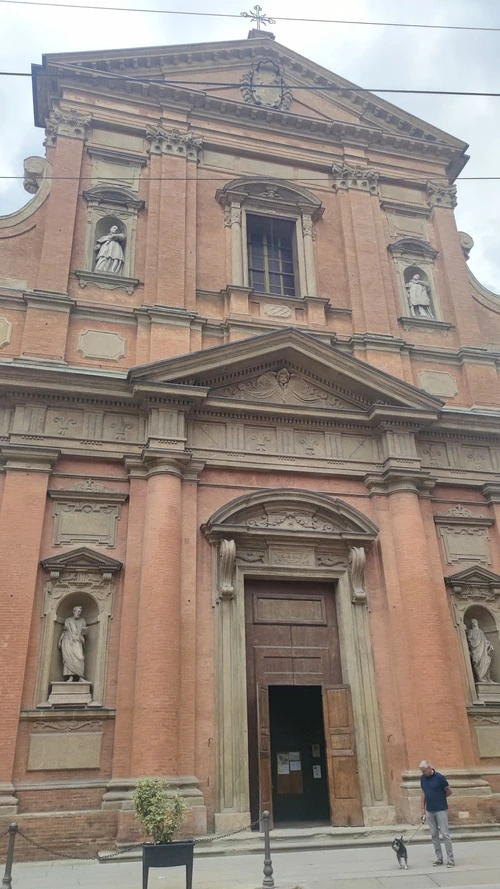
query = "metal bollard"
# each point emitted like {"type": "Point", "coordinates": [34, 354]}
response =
{"type": "Point", "coordinates": [268, 881]}
{"type": "Point", "coordinates": [7, 877]}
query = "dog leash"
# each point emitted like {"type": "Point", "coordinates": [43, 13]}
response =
{"type": "Point", "coordinates": [407, 842]}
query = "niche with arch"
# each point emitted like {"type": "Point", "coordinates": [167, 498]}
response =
{"type": "Point", "coordinates": [418, 287]}
{"type": "Point", "coordinates": [487, 624]}
{"type": "Point", "coordinates": [475, 594]}
{"type": "Point", "coordinates": [413, 256]}
{"type": "Point", "coordinates": [80, 577]}
{"type": "Point", "coordinates": [107, 206]}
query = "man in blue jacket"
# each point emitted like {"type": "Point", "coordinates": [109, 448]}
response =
{"type": "Point", "coordinates": [435, 791]}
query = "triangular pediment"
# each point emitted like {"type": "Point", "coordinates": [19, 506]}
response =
{"type": "Point", "coordinates": [286, 367]}
{"type": "Point", "coordinates": [81, 559]}
{"type": "Point", "coordinates": [244, 69]}
{"type": "Point", "coordinates": [475, 576]}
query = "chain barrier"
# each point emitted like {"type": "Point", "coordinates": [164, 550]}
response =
{"type": "Point", "coordinates": [100, 857]}
{"type": "Point", "coordinates": [224, 836]}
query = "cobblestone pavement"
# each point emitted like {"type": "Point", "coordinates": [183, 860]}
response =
{"type": "Point", "coordinates": [478, 865]}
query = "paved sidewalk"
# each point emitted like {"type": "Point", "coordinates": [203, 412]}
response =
{"type": "Point", "coordinates": [478, 865]}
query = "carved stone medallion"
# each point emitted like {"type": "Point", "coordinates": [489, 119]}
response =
{"type": "Point", "coordinates": [264, 85]}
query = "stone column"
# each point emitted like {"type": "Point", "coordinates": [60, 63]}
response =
{"type": "Point", "coordinates": [157, 674]}
{"type": "Point", "coordinates": [309, 237]}
{"type": "Point", "coordinates": [433, 726]}
{"type": "Point", "coordinates": [21, 524]}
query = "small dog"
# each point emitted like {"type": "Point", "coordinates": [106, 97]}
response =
{"type": "Point", "coordinates": [401, 852]}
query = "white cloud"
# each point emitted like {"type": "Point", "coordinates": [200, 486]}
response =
{"type": "Point", "coordinates": [371, 57]}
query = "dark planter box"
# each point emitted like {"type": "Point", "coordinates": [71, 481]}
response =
{"type": "Point", "coordinates": [168, 855]}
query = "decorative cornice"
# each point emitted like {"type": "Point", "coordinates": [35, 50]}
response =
{"type": "Point", "coordinates": [412, 248]}
{"type": "Point", "coordinates": [71, 123]}
{"type": "Point", "coordinates": [174, 142]}
{"type": "Point", "coordinates": [82, 559]}
{"type": "Point", "coordinates": [439, 195]}
{"type": "Point", "coordinates": [397, 481]}
{"type": "Point", "coordinates": [359, 178]}
{"type": "Point", "coordinates": [106, 282]}
{"type": "Point", "coordinates": [408, 323]}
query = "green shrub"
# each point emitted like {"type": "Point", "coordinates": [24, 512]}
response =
{"type": "Point", "coordinates": [160, 816]}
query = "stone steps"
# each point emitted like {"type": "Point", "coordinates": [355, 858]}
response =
{"type": "Point", "coordinates": [297, 839]}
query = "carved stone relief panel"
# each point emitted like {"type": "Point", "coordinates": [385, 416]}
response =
{"type": "Point", "coordinates": [260, 439]}
{"type": "Point", "coordinates": [5, 331]}
{"type": "Point", "coordinates": [309, 444]}
{"type": "Point", "coordinates": [465, 544]}
{"type": "Point", "coordinates": [213, 435]}
{"type": "Point", "coordinates": [121, 427]}
{"type": "Point", "coordinates": [432, 454]}
{"type": "Point", "coordinates": [444, 385]}
{"type": "Point", "coordinates": [63, 422]}
{"type": "Point", "coordinates": [86, 517]}
{"type": "Point", "coordinates": [282, 387]}
{"type": "Point", "coordinates": [101, 344]}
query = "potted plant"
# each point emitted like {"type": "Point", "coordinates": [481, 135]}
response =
{"type": "Point", "coordinates": [160, 815]}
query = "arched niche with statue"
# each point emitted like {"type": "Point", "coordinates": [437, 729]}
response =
{"type": "Point", "coordinates": [77, 607]}
{"type": "Point", "coordinates": [475, 597]}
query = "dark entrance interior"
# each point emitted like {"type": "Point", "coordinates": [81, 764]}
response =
{"type": "Point", "coordinates": [298, 761]}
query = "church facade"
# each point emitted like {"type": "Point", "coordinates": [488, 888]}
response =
{"type": "Point", "coordinates": [250, 442]}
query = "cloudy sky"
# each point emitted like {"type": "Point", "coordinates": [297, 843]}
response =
{"type": "Point", "coordinates": [383, 57]}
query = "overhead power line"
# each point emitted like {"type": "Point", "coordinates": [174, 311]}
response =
{"type": "Point", "coordinates": [186, 84]}
{"type": "Point", "coordinates": [230, 15]}
{"type": "Point", "coordinates": [224, 178]}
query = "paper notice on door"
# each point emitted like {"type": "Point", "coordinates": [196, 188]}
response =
{"type": "Point", "coordinates": [315, 751]}
{"type": "Point", "coordinates": [295, 766]}
{"type": "Point", "coordinates": [316, 771]}
{"type": "Point", "coordinates": [294, 756]}
{"type": "Point", "coordinates": [283, 764]}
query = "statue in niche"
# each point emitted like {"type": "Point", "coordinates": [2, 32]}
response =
{"type": "Point", "coordinates": [71, 643]}
{"type": "Point", "coordinates": [110, 256]}
{"type": "Point", "coordinates": [480, 649]}
{"type": "Point", "coordinates": [419, 297]}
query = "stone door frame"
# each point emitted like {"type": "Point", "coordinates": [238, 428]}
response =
{"type": "Point", "coordinates": [291, 535]}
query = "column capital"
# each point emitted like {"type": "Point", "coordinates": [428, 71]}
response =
{"type": "Point", "coordinates": [18, 457]}
{"type": "Point", "coordinates": [359, 178]}
{"type": "Point", "coordinates": [439, 195]}
{"type": "Point", "coordinates": [174, 142]}
{"type": "Point", "coordinates": [156, 461]}
{"type": "Point", "coordinates": [66, 122]}
{"type": "Point", "coordinates": [393, 481]}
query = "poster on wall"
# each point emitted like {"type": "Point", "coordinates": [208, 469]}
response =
{"type": "Point", "coordinates": [283, 764]}
{"type": "Point", "coordinates": [316, 771]}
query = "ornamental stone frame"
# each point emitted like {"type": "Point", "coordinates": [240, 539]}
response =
{"type": "Point", "coordinates": [471, 589]}
{"type": "Point", "coordinates": [291, 534]}
{"type": "Point", "coordinates": [80, 572]}
{"type": "Point", "coordinates": [269, 197]}
{"type": "Point", "coordinates": [109, 205]}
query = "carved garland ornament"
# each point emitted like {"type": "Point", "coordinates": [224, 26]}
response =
{"type": "Point", "coordinates": [264, 85]}
{"type": "Point", "coordinates": [282, 386]}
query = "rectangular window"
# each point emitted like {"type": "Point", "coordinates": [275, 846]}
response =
{"type": "Point", "coordinates": [271, 266]}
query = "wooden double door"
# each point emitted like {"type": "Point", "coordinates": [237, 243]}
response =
{"type": "Point", "coordinates": [302, 756]}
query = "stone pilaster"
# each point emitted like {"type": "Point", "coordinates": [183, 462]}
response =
{"type": "Point", "coordinates": [432, 725]}
{"type": "Point", "coordinates": [21, 523]}
{"type": "Point", "coordinates": [157, 685]}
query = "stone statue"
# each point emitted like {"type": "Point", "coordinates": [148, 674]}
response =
{"type": "Point", "coordinates": [110, 256]}
{"type": "Point", "coordinates": [418, 297]}
{"type": "Point", "coordinates": [71, 643]}
{"type": "Point", "coordinates": [480, 649]}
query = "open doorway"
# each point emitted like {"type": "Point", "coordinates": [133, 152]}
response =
{"type": "Point", "coordinates": [298, 757]}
